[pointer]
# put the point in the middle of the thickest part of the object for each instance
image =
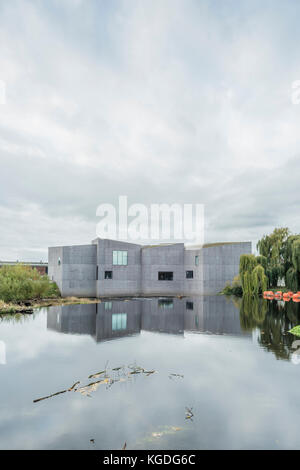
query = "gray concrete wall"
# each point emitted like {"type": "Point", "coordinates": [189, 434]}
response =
{"type": "Point", "coordinates": [193, 286]}
{"type": "Point", "coordinates": [126, 279]}
{"type": "Point", "coordinates": [168, 258]}
{"type": "Point", "coordinates": [77, 273]}
{"type": "Point", "coordinates": [221, 264]}
{"type": "Point", "coordinates": [55, 271]}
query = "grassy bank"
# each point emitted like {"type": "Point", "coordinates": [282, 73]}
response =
{"type": "Point", "coordinates": [29, 305]}
{"type": "Point", "coordinates": [21, 286]}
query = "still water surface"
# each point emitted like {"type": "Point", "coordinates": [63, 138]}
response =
{"type": "Point", "coordinates": [236, 364]}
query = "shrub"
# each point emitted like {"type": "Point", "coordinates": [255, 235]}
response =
{"type": "Point", "coordinates": [233, 289]}
{"type": "Point", "coordinates": [20, 283]}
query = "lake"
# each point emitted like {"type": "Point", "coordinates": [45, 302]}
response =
{"type": "Point", "coordinates": [192, 373]}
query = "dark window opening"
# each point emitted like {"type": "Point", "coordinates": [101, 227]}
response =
{"type": "Point", "coordinates": [165, 276]}
{"type": "Point", "coordinates": [108, 275]}
{"type": "Point", "coordinates": [189, 274]}
{"type": "Point", "coordinates": [165, 303]}
{"type": "Point", "coordinates": [97, 273]}
{"type": "Point", "coordinates": [189, 305]}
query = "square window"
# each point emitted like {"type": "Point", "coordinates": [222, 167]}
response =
{"type": "Point", "coordinates": [189, 305]}
{"type": "Point", "coordinates": [108, 275]}
{"type": "Point", "coordinates": [120, 258]}
{"type": "Point", "coordinates": [119, 321]}
{"type": "Point", "coordinates": [189, 274]}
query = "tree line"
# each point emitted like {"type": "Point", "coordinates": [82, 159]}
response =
{"type": "Point", "coordinates": [278, 259]}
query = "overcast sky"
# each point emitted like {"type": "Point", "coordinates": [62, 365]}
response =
{"type": "Point", "coordinates": [174, 101]}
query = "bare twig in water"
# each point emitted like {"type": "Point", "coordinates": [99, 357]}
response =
{"type": "Point", "coordinates": [95, 376]}
{"type": "Point", "coordinates": [149, 372]}
{"type": "Point", "coordinates": [189, 413]}
{"type": "Point", "coordinates": [180, 376]}
{"type": "Point", "coordinates": [49, 396]}
{"type": "Point", "coordinates": [106, 379]}
{"type": "Point", "coordinates": [91, 387]}
{"type": "Point", "coordinates": [73, 386]}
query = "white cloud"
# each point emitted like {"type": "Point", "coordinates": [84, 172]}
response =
{"type": "Point", "coordinates": [170, 101]}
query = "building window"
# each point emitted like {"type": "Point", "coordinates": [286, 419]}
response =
{"type": "Point", "coordinates": [189, 274]}
{"type": "Point", "coordinates": [165, 276]}
{"type": "Point", "coordinates": [58, 262]}
{"type": "Point", "coordinates": [107, 305]}
{"type": "Point", "coordinates": [108, 275]}
{"type": "Point", "coordinates": [189, 305]}
{"type": "Point", "coordinates": [97, 273]}
{"type": "Point", "coordinates": [120, 258]}
{"type": "Point", "coordinates": [119, 321]}
{"type": "Point", "coordinates": [197, 260]}
{"type": "Point", "coordinates": [165, 303]}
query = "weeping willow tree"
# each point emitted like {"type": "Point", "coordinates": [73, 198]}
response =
{"type": "Point", "coordinates": [259, 281]}
{"type": "Point", "coordinates": [262, 260]}
{"type": "Point", "coordinates": [279, 258]}
{"type": "Point", "coordinates": [273, 248]}
{"type": "Point", "coordinates": [296, 254]}
{"type": "Point", "coordinates": [252, 274]}
{"type": "Point", "coordinates": [291, 279]}
{"type": "Point", "coordinates": [247, 264]}
{"type": "Point", "coordinates": [292, 263]}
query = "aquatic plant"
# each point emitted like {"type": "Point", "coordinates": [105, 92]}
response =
{"type": "Point", "coordinates": [295, 331]}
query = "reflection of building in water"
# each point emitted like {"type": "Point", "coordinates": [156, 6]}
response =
{"type": "Point", "coordinates": [214, 314]}
{"type": "Point", "coordinates": [117, 318]}
{"type": "Point", "coordinates": [163, 315]}
{"type": "Point", "coordinates": [76, 319]}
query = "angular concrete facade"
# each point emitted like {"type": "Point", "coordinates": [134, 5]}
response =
{"type": "Point", "coordinates": [171, 269]}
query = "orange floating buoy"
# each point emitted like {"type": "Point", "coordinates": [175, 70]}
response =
{"type": "Point", "coordinates": [268, 292]}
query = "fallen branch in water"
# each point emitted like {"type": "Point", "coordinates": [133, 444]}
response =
{"type": "Point", "coordinates": [49, 396]}
{"type": "Point", "coordinates": [86, 390]}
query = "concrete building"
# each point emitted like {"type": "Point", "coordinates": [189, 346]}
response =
{"type": "Point", "coordinates": [108, 268]}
